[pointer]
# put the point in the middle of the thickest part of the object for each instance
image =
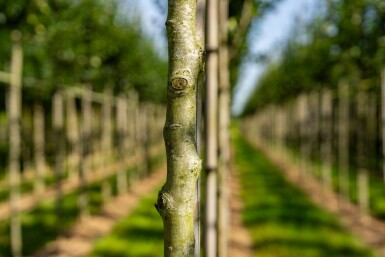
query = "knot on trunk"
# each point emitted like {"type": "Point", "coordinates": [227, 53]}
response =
{"type": "Point", "coordinates": [180, 82]}
{"type": "Point", "coordinates": [164, 203]}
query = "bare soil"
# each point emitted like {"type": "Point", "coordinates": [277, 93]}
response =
{"type": "Point", "coordinates": [240, 244]}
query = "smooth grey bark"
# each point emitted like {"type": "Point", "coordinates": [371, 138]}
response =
{"type": "Point", "coordinates": [176, 203]}
{"type": "Point", "coordinates": [14, 114]}
{"type": "Point", "coordinates": [211, 122]}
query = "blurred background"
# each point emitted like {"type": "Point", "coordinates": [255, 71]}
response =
{"type": "Point", "coordinates": [82, 108]}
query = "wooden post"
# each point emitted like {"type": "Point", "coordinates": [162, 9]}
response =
{"type": "Point", "coordinates": [327, 137]}
{"type": "Point", "coordinates": [143, 138]}
{"type": "Point", "coordinates": [314, 135]}
{"type": "Point", "coordinates": [343, 138]}
{"type": "Point", "coordinates": [106, 148]}
{"type": "Point", "coordinates": [14, 114]}
{"type": "Point", "coordinates": [58, 127]}
{"type": "Point", "coordinates": [131, 112]}
{"type": "Point", "coordinates": [121, 121]}
{"type": "Point", "coordinates": [224, 132]}
{"type": "Point", "coordinates": [362, 142]}
{"type": "Point", "coordinates": [383, 121]}
{"type": "Point", "coordinates": [73, 137]}
{"type": "Point", "coordinates": [39, 142]}
{"type": "Point", "coordinates": [303, 130]}
{"type": "Point", "coordinates": [212, 46]}
{"type": "Point", "coordinates": [86, 134]}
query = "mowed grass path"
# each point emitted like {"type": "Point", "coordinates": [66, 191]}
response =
{"type": "Point", "coordinates": [139, 235]}
{"type": "Point", "coordinates": [281, 219]}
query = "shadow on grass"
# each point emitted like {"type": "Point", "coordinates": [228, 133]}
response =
{"type": "Point", "coordinates": [280, 217]}
{"type": "Point", "coordinates": [45, 223]}
{"type": "Point", "coordinates": [139, 235]}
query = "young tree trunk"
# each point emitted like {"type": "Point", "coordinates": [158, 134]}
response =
{"type": "Point", "coordinates": [176, 203]}
{"type": "Point", "coordinates": [14, 114]}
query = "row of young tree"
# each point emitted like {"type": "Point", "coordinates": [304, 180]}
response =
{"type": "Point", "coordinates": [67, 42]}
{"type": "Point", "coordinates": [78, 141]}
{"type": "Point", "coordinates": [59, 136]}
{"type": "Point", "coordinates": [345, 40]}
{"type": "Point", "coordinates": [337, 134]}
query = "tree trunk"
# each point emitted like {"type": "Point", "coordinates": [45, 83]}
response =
{"type": "Point", "coordinates": [176, 203]}
{"type": "Point", "coordinates": [211, 103]}
{"type": "Point", "coordinates": [14, 110]}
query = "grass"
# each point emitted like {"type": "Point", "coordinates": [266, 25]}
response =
{"type": "Point", "coordinates": [282, 220]}
{"type": "Point", "coordinates": [138, 235]}
{"type": "Point", "coordinates": [43, 225]}
{"type": "Point", "coordinates": [376, 185]}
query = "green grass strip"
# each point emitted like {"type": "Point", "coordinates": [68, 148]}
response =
{"type": "Point", "coordinates": [138, 235]}
{"type": "Point", "coordinates": [282, 220]}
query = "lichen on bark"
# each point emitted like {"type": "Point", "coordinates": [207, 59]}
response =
{"type": "Point", "coordinates": [176, 203]}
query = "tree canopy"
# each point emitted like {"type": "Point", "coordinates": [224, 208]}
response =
{"type": "Point", "coordinates": [347, 41]}
{"type": "Point", "coordinates": [87, 41]}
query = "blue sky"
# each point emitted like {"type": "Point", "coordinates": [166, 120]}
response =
{"type": "Point", "coordinates": [268, 36]}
